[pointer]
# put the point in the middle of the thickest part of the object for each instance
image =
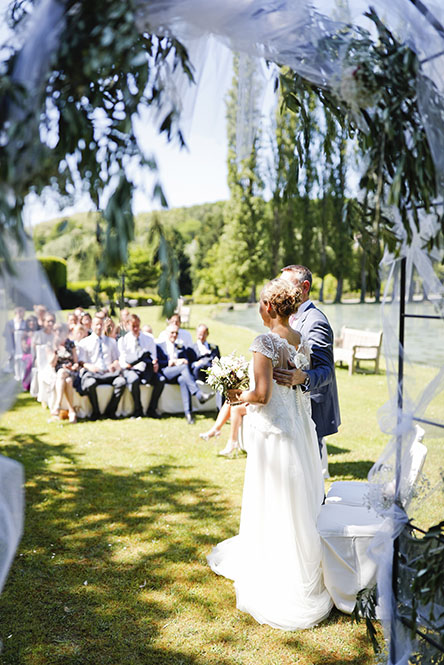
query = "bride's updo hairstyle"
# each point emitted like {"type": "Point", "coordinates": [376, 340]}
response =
{"type": "Point", "coordinates": [282, 295]}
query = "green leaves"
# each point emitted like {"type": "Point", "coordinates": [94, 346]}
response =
{"type": "Point", "coordinates": [377, 97]}
{"type": "Point", "coordinates": [103, 72]}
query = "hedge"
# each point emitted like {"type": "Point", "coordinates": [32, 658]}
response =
{"type": "Point", "coordinates": [56, 271]}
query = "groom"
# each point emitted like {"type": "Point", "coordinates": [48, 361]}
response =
{"type": "Point", "coordinates": [320, 380]}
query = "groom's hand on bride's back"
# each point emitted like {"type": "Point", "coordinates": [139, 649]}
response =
{"type": "Point", "coordinates": [289, 377]}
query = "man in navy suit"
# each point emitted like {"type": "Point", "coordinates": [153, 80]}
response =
{"type": "Point", "coordinates": [203, 353]}
{"type": "Point", "coordinates": [320, 379]}
{"type": "Point", "coordinates": [174, 367]}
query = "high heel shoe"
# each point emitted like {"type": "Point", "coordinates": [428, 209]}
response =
{"type": "Point", "coordinates": [230, 449]}
{"type": "Point", "coordinates": [209, 435]}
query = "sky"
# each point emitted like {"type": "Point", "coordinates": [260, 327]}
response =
{"type": "Point", "coordinates": [196, 174]}
{"type": "Point", "coordinates": [192, 175]}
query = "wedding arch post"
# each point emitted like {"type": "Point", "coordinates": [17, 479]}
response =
{"type": "Point", "coordinates": [395, 617]}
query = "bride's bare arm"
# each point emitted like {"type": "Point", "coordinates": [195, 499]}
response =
{"type": "Point", "coordinates": [263, 382]}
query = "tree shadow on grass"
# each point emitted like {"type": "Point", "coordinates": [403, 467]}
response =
{"type": "Point", "coordinates": [95, 580]}
{"type": "Point", "coordinates": [318, 648]}
{"type": "Point", "coordinates": [350, 470]}
{"type": "Point", "coordinates": [335, 450]}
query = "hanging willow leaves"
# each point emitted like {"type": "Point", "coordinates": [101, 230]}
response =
{"type": "Point", "coordinates": [380, 106]}
{"type": "Point", "coordinates": [76, 128]}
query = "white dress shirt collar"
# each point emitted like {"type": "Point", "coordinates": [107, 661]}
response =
{"type": "Point", "coordinates": [171, 349]}
{"type": "Point", "coordinates": [204, 347]}
{"type": "Point", "coordinates": [302, 307]}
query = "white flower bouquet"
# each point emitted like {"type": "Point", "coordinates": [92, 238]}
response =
{"type": "Point", "coordinates": [227, 373]}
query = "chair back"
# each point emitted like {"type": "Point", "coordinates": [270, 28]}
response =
{"type": "Point", "coordinates": [412, 462]}
{"type": "Point", "coordinates": [41, 356]}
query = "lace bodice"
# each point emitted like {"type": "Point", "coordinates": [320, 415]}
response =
{"type": "Point", "coordinates": [286, 404]}
{"type": "Point", "coordinates": [281, 352]}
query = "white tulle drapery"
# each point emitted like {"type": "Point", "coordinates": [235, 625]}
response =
{"type": "Point", "coordinates": [26, 287]}
{"type": "Point", "coordinates": [417, 399]}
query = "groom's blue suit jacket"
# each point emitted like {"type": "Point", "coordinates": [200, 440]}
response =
{"type": "Point", "coordinates": [314, 326]}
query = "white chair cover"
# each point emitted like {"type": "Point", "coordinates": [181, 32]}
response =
{"type": "Point", "coordinates": [170, 400]}
{"type": "Point", "coordinates": [19, 366]}
{"type": "Point", "coordinates": [42, 363]}
{"type": "Point", "coordinates": [346, 533]}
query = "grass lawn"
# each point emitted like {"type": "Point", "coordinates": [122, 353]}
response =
{"type": "Point", "coordinates": [119, 519]}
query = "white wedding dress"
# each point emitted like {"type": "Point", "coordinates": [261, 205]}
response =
{"type": "Point", "coordinates": [275, 561]}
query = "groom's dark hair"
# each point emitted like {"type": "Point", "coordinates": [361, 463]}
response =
{"type": "Point", "coordinates": [304, 273]}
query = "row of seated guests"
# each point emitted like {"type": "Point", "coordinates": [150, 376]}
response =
{"type": "Point", "coordinates": [136, 359]}
{"type": "Point", "coordinates": [81, 357]}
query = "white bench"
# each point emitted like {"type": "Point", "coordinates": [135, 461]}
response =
{"type": "Point", "coordinates": [355, 345]}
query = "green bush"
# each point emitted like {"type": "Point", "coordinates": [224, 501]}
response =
{"type": "Point", "coordinates": [110, 291]}
{"type": "Point", "coordinates": [56, 271]}
{"type": "Point", "coordinates": [70, 299]}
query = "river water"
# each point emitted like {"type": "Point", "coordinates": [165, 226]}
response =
{"type": "Point", "coordinates": [424, 338]}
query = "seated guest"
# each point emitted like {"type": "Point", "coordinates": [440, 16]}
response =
{"type": "Point", "coordinates": [13, 345]}
{"type": "Point", "coordinates": [86, 321]}
{"type": "Point", "coordinates": [62, 369]}
{"type": "Point", "coordinates": [234, 413]}
{"type": "Point", "coordinates": [174, 366]}
{"type": "Point", "coordinates": [138, 360]}
{"type": "Point", "coordinates": [123, 322]}
{"type": "Point", "coordinates": [72, 321]}
{"type": "Point", "coordinates": [204, 353]}
{"type": "Point", "coordinates": [99, 356]}
{"type": "Point", "coordinates": [46, 333]}
{"type": "Point", "coordinates": [78, 333]}
{"type": "Point", "coordinates": [40, 312]}
{"type": "Point", "coordinates": [28, 360]}
{"type": "Point", "coordinates": [110, 329]}
{"type": "Point", "coordinates": [184, 336]}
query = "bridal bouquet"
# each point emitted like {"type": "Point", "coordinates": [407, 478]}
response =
{"type": "Point", "coordinates": [228, 372]}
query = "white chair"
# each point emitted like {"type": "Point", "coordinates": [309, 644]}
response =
{"type": "Point", "coordinates": [19, 366]}
{"type": "Point", "coordinates": [347, 528]}
{"type": "Point", "coordinates": [41, 363]}
{"type": "Point", "coordinates": [357, 493]}
{"type": "Point", "coordinates": [346, 533]}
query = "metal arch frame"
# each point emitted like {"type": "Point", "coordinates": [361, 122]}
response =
{"type": "Point", "coordinates": [395, 568]}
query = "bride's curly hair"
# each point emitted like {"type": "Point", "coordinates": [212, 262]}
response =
{"type": "Point", "coordinates": [282, 295]}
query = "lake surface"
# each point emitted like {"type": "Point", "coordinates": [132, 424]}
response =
{"type": "Point", "coordinates": [424, 338]}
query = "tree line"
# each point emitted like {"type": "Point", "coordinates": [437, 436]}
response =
{"type": "Point", "coordinates": [290, 202]}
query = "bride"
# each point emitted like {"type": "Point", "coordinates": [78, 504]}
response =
{"type": "Point", "coordinates": [275, 560]}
